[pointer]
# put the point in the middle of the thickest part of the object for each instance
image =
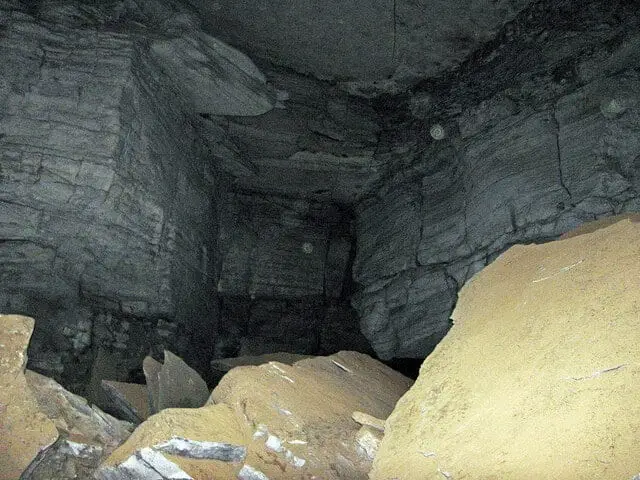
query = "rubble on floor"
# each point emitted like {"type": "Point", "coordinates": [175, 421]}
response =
{"type": "Point", "coordinates": [46, 432]}
{"type": "Point", "coordinates": [274, 421]}
{"type": "Point", "coordinates": [538, 376]}
{"type": "Point", "coordinates": [311, 417]}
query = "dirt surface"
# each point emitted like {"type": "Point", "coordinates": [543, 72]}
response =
{"type": "Point", "coordinates": [24, 430]}
{"type": "Point", "coordinates": [539, 376]}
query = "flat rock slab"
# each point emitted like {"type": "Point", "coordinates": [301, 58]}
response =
{"type": "Point", "coordinates": [301, 413]}
{"type": "Point", "coordinates": [24, 430]}
{"type": "Point", "coordinates": [538, 378]}
{"type": "Point", "coordinates": [180, 386]}
{"type": "Point", "coordinates": [223, 365]}
{"type": "Point", "coordinates": [151, 368]}
{"type": "Point", "coordinates": [131, 400]}
{"type": "Point", "coordinates": [74, 417]}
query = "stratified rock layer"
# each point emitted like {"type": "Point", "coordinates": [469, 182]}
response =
{"type": "Point", "coordinates": [538, 376]}
{"type": "Point", "coordinates": [525, 165]}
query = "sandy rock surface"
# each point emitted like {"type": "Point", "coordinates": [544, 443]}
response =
{"type": "Point", "coordinates": [24, 430]}
{"type": "Point", "coordinates": [302, 413]}
{"type": "Point", "coordinates": [538, 378]}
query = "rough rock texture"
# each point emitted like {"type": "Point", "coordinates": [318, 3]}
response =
{"type": "Point", "coordinates": [218, 79]}
{"type": "Point", "coordinates": [24, 430]}
{"type": "Point", "coordinates": [537, 378]}
{"type": "Point", "coordinates": [87, 434]}
{"type": "Point", "coordinates": [129, 400]}
{"type": "Point", "coordinates": [179, 386]}
{"type": "Point", "coordinates": [106, 206]}
{"type": "Point", "coordinates": [538, 156]}
{"type": "Point", "coordinates": [273, 421]}
{"type": "Point", "coordinates": [213, 423]}
{"type": "Point", "coordinates": [302, 413]}
{"type": "Point", "coordinates": [359, 40]}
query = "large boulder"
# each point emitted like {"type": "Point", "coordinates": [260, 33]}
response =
{"type": "Point", "coordinates": [538, 376]}
{"type": "Point", "coordinates": [302, 413]}
{"type": "Point", "coordinates": [24, 430]}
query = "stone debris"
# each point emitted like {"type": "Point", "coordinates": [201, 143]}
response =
{"type": "Point", "coordinates": [302, 431]}
{"type": "Point", "coordinates": [130, 400]}
{"type": "Point", "coordinates": [74, 417]}
{"type": "Point", "coordinates": [537, 378]}
{"type": "Point", "coordinates": [87, 434]}
{"type": "Point", "coordinates": [24, 430]}
{"type": "Point", "coordinates": [207, 442]}
{"type": "Point", "coordinates": [368, 420]}
{"type": "Point", "coordinates": [184, 447]}
{"type": "Point", "coordinates": [368, 440]}
{"type": "Point", "coordinates": [247, 472]}
{"type": "Point", "coordinates": [145, 464]}
{"type": "Point", "coordinates": [151, 368]}
{"type": "Point", "coordinates": [179, 385]}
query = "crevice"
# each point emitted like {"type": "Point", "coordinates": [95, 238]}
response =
{"type": "Point", "coordinates": [395, 25]}
{"type": "Point", "coordinates": [561, 174]}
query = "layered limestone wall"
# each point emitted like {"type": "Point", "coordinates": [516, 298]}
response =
{"type": "Point", "coordinates": [285, 277]}
{"type": "Point", "coordinates": [549, 148]}
{"type": "Point", "coordinates": [106, 210]}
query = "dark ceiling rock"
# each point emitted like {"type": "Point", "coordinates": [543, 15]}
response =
{"type": "Point", "coordinates": [359, 40]}
{"type": "Point", "coordinates": [217, 79]}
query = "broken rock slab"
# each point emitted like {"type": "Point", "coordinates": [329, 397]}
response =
{"type": "Point", "coordinates": [301, 414]}
{"type": "Point", "coordinates": [203, 443]}
{"type": "Point", "coordinates": [173, 384]}
{"type": "Point", "coordinates": [87, 434]}
{"type": "Point", "coordinates": [538, 376]}
{"type": "Point", "coordinates": [24, 429]}
{"type": "Point", "coordinates": [218, 79]}
{"type": "Point", "coordinates": [221, 366]}
{"type": "Point", "coordinates": [129, 400]}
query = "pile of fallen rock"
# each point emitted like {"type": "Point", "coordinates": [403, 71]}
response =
{"type": "Point", "coordinates": [295, 418]}
{"type": "Point", "coordinates": [538, 378]}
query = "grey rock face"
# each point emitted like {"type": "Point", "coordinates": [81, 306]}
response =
{"type": "Point", "coordinates": [511, 177]}
{"type": "Point", "coordinates": [316, 144]}
{"type": "Point", "coordinates": [361, 40]}
{"type": "Point", "coordinates": [185, 447]}
{"type": "Point", "coordinates": [105, 204]}
{"type": "Point", "coordinates": [218, 79]}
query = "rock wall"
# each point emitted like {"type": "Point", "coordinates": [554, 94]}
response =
{"type": "Point", "coordinates": [548, 149]}
{"type": "Point", "coordinates": [285, 277]}
{"type": "Point", "coordinates": [107, 214]}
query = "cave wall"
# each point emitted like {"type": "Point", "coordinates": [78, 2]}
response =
{"type": "Point", "coordinates": [523, 161]}
{"type": "Point", "coordinates": [107, 210]}
{"type": "Point", "coordinates": [285, 276]}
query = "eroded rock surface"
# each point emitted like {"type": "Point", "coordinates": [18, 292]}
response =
{"type": "Point", "coordinates": [537, 376]}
